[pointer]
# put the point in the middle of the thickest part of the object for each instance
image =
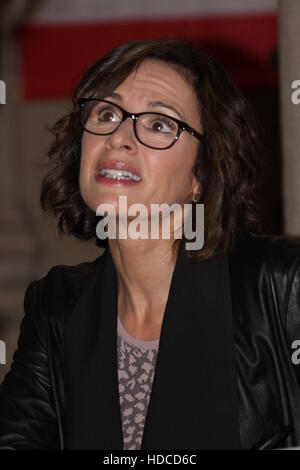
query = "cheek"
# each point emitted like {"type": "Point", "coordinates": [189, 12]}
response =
{"type": "Point", "coordinates": [165, 162]}
{"type": "Point", "coordinates": [89, 149]}
{"type": "Point", "coordinates": [174, 166]}
{"type": "Point", "coordinates": [86, 166]}
{"type": "Point", "coordinates": [82, 171]}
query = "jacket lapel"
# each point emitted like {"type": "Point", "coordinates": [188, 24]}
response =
{"type": "Point", "coordinates": [193, 402]}
{"type": "Point", "coordinates": [90, 350]}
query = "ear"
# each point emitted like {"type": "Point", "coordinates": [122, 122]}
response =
{"type": "Point", "coordinates": [196, 186]}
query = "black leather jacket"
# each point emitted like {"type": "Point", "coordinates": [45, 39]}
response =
{"type": "Point", "coordinates": [43, 404]}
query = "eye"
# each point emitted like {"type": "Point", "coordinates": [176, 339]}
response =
{"type": "Point", "coordinates": [160, 124]}
{"type": "Point", "coordinates": [107, 114]}
{"type": "Point", "coordinates": [104, 112]}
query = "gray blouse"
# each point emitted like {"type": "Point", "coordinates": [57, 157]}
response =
{"type": "Point", "coordinates": [136, 367]}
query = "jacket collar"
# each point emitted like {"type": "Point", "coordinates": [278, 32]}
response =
{"type": "Point", "coordinates": [193, 402]}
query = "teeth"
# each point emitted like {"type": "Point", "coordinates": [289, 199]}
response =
{"type": "Point", "coordinates": [119, 174]}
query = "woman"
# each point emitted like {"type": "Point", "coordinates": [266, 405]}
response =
{"type": "Point", "coordinates": [153, 346]}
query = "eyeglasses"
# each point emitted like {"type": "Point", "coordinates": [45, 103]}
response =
{"type": "Point", "coordinates": [155, 130]}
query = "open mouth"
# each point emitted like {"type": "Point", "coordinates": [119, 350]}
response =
{"type": "Point", "coordinates": [118, 174]}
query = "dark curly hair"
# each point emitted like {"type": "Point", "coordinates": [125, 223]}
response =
{"type": "Point", "coordinates": [227, 164]}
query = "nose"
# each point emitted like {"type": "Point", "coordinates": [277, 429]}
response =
{"type": "Point", "coordinates": [123, 136]}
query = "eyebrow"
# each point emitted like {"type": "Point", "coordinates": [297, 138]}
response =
{"type": "Point", "coordinates": [153, 104]}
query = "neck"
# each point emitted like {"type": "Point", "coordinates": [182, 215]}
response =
{"type": "Point", "coordinates": [144, 272]}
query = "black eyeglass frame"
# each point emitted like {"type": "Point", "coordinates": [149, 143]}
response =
{"type": "Point", "coordinates": [182, 126]}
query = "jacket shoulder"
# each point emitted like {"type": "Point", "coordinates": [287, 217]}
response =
{"type": "Point", "coordinates": [57, 292]}
{"type": "Point", "coordinates": [280, 252]}
{"type": "Point", "coordinates": [272, 264]}
{"type": "Point", "coordinates": [68, 276]}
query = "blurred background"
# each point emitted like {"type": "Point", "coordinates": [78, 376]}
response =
{"type": "Point", "coordinates": [45, 47]}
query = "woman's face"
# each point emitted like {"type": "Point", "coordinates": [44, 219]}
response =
{"type": "Point", "coordinates": [166, 175]}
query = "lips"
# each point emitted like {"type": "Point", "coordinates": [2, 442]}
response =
{"type": "Point", "coordinates": [116, 165]}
